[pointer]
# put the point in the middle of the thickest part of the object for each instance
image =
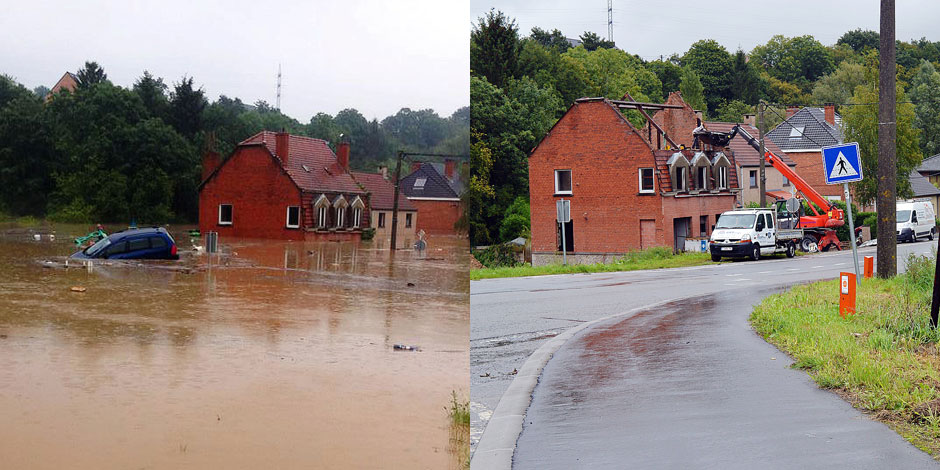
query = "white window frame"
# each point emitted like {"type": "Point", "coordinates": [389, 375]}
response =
{"type": "Point", "coordinates": [722, 177]}
{"type": "Point", "coordinates": [357, 217]}
{"type": "Point", "coordinates": [340, 216]}
{"type": "Point", "coordinates": [321, 216]}
{"type": "Point", "coordinates": [287, 222]}
{"type": "Point", "coordinates": [652, 178]}
{"type": "Point", "coordinates": [570, 182]}
{"type": "Point", "coordinates": [682, 181]}
{"type": "Point", "coordinates": [756, 179]}
{"type": "Point", "coordinates": [701, 171]}
{"type": "Point", "coordinates": [231, 214]}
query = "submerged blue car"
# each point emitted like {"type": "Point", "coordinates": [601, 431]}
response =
{"type": "Point", "coordinates": [138, 243]}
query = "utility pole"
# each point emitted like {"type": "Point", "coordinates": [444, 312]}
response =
{"type": "Point", "coordinates": [401, 156]}
{"type": "Point", "coordinates": [887, 150]}
{"type": "Point", "coordinates": [610, 20]}
{"type": "Point", "coordinates": [278, 102]}
{"type": "Point", "coordinates": [760, 137]}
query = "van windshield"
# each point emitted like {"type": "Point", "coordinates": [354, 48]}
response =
{"type": "Point", "coordinates": [736, 221]}
{"type": "Point", "coordinates": [97, 247]}
{"type": "Point", "coordinates": [904, 216]}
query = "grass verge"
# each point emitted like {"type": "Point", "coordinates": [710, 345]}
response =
{"type": "Point", "coordinates": [884, 360]}
{"type": "Point", "coordinates": [653, 258]}
{"type": "Point", "coordinates": [459, 412]}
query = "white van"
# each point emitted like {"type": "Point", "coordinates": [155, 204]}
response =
{"type": "Point", "coordinates": [915, 220]}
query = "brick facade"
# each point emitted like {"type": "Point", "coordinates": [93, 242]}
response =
{"type": "Point", "coordinates": [438, 217]}
{"type": "Point", "coordinates": [605, 153]}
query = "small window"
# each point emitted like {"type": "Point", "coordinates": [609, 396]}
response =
{"type": "Point", "coordinates": [796, 132]}
{"type": "Point", "coordinates": [321, 216]}
{"type": "Point", "coordinates": [680, 180]}
{"type": "Point", "coordinates": [340, 216]}
{"type": "Point", "coordinates": [407, 220]}
{"type": "Point", "coordinates": [157, 242]}
{"type": "Point", "coordinates": [293, 216]}
{"type": "Point", "coordinates": [419, 183]}
{"type": "Point", "coordinates": [753, 178]}
{"type": "Point", "coordinates": [703, 226]}
{"type": "Point", "coordinates": [357, 217]}
{"type": "Point", "coordinates": [562, 181]}
{"type": "Point", "coordinates": [770, 220]}
{"type": "Point", "coordinates": [702, 177]}
{"type": "Point", "coordinates": [225, 214]}
{"type": "Point", "coordinates": [138, 244]}
{"type": "Point", "coordinates": [646, 180]}
{"type": "Point", "coordinates": [786, 182]}
{"type": "Point", "coordinates": [722, 177]}
{"type": "Point", "coordinates": [381, 219]}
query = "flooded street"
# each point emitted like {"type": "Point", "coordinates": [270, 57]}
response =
{"type": "Point", "coordinates": [278, 355]}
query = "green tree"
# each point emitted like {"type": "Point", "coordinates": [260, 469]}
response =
{"type": "Point", "coordinates": [861, 40]}
{"type": "Point", "coordinates": [745, 81]}
{"type": "Point", "coordinates": [733, 111]}
{"type": "Point", "coordinates": [838, 86]}
{"type": "Point", "coordinates": [494, 47]}
{"type": "Point", "coordinates": [41, 91]}
{"type": "Point", "coordinates": [925, 93]}
{"type": "Point", "coordinates": [861, 125]}
{"type": "Point", "coordinates": [801, 58]}
{"type": "Point", "coordinates": [90, 74]}
{"type": "Point", "coordinates": [186, 107]}
{"type": "Point", "coordinates": [323, 127]}
{"type": "Point", "coordinates": [591, 42]}
{"type": "Point", "coordinates": [10, 89]}
{"type": "Point", "coordinates": [669, 74]}
{"type": "Point", "coordinates": [152, 91]}
{"type": "Point", "coordinates": [26, 156]}
{"type": "Point", "coordinates": [692, 90]}
{"type": "Point", "coordinates": [516, 221]}
{"type": "Point", "coordinates": [713, 65]}
{"type": "Point", "coordinates": [613, 72]}
{"type": "Point", "coordinates": [553, 40]}
{"type": "Point", "coordinates": [479, 193]}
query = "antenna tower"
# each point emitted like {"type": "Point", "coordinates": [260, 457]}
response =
{"type": "Point", "coordinates": [278, 105]}
{"type": "Point", "coordinates": [610, 20]}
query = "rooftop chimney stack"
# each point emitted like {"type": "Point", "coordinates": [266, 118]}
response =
{"type": "Point", "coordinates": [450, 167]}
{"type": "Point", "coordinates": [342, 153]}
{"type": "Point", "coordinates": [750, 119]}
{"type": "Point", "coordinates": [791, 110]}
{"type": "Point", "coordinates": [831, 114]}
{"type": "Point", "coordinates": [383, 170]}
{"type": "Point", "coordinates": [282, 145]}
{"type": "Point", "coordinates": [210, 161]}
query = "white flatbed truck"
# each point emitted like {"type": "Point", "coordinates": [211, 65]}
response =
{"type": "Point", "coordinates": [752, 233]}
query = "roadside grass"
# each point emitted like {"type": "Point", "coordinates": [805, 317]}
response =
{"type": "Point", "coordinates": [653, 258]}
{"type": "Point", "coordinates": [884, 360]}
{"type": "Point", "coordinates": [459, 413]}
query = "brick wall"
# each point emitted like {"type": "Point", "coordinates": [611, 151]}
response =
{"type": "Point", "coordinates": [678, 123]}
{"type": "Point", "coordinates": [774, 182]}
{"type": "Point", "coordinates": [604, 154]}
{"type": "Point", "coordinates": [437, 217]}
{"type": "Point", "coordinates": [259, 192]}
{"type": "Point", "coordinates": [809, 165]}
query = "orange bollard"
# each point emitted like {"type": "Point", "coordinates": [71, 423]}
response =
{"type": "Point", "coordinates": [846, 294]}
{"type": "Point", "coordinates": [869, 266]}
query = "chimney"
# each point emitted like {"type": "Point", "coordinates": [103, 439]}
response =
{"type": "Point", "coordinates": [383, 170]}
{"type": "Point", "coordinates": [449, 169]}
{"type": "Point", "coordinates": [750, 119]}
{"type": "Point", "coordinates": [699, 115]}
{"type": "Point", "coordinates": [282, 146]}
{"type": "Point", "coordinates": [831, 114]}
{"type": "Point", "coordinates": [210, 161]}
{"type": "Point", "coordinates": [791, 110]}
{"type": "Point", "coordinates": [415, 166]}
{"type": "Point", "coordinates": [342, 154]}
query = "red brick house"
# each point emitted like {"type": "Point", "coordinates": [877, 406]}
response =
{"type": "Point", "coordinates": [629, 189]}
{"type": "Point", "coordinates": [277, 185]}
{"type": "Point", "coordinates": [381, 202]}
{"type": "Point", "coordinates": [69, 81]}
{"type": "Point", "coordinates": [801, 137]}
{"type": "Point", "coordinates": [435, 190]}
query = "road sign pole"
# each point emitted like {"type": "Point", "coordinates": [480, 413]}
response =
{"type": "Point", "coordinates": [848, 208]}
{"type": "Point", "coordinates": [562, 221]}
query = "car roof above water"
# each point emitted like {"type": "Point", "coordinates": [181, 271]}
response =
{"type": "Point", "coordinates": [135, 231]}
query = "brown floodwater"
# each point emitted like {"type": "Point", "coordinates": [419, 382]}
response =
{"type": "Point", "coordinates": [275, 355]}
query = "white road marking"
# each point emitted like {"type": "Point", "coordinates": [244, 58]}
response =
{"type": "Point", "coordinates": [820, 266]}
{"type": "Point", "coordinates": [793, 269]}
{"type": "Point", "coordinates": [732, 275]}
{"type": "Point", "coordinates": [765, 272]}
{"type": "Point", "coordinates": [839, 264]}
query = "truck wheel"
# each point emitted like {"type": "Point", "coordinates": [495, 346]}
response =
{"type": "Point", "coordinates": [791, 249]}
{"type": "Point", "coordinates": [716, 258]}
{"type": "Point", "coordinates": [755, 255]}
{"type": "Point", "coordinates": [930, 235]}
{"type": "Point", "coordinates": [807, 243]}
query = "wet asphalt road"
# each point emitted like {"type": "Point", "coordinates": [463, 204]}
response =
{"type": "Point", "coordinates": [690, 385]}
{"type": "Point", "coordinates": [511, 318]}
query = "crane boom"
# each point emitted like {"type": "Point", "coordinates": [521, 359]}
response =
{"type": "Point", "coordinates": [831, 217]}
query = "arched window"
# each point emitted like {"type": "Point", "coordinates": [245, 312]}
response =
{"type": "Point", "coordinates": [700, 171]}
{"type": "Point", "coordinates": [679, 172]}
{"type": "Point", "coordinates": [357, 208]}
{"type": "Point", "coordinates": [322, 209]}
{"type": "Point", "coordinates": [721, 169]}
{"type": "Point", "coordinates": [340, 205]}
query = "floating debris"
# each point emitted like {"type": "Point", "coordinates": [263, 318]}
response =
{"type": "Point", "coordinates": [411, 284]}
{"type": "Point", "coordinates": [403, 347]}
{"type": "Point", "coordinates": [78, 289]}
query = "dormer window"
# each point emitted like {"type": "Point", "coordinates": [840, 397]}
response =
{"type": "Point", "coordinates": [701, 166]}
{"type": "Point", "coordinates": [679, 172]}
{"type": "Point", "coordinates": [720, 170]}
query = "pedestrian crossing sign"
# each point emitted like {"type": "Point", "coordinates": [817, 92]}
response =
{"type": "Point", "coordinates": [842, 163]}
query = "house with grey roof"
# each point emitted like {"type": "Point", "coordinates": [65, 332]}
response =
{"type": "Point", "coordinates": [435, 189]}
{"type": "Point", "coordinates": [925, 180]}
{"type": "Point", "coordinates": [802, 136]}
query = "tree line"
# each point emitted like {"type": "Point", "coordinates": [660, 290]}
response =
{"type": "Point", "coordinates": [109, 153]}
{"type": "Point", "coordinates": [520, 86]}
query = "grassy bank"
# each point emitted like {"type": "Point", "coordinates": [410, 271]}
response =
{"type": "Point", "coordinates": [654, 258]}
{"type": "Point", "coordinates": [884, 360]}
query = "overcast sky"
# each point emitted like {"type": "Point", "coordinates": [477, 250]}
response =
{"type": "Point", "coordinates": [663, 27]}
{"type": "Point", "coordinates": [375, 56]}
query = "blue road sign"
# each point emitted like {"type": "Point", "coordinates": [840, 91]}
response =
{"type": "Point", "coordinates": [842, 163]}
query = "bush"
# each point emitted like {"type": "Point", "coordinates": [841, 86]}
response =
{"type": "Point", "coordinates": [515, 220]}
{"type": "Point", "coordinates": [496, 256]}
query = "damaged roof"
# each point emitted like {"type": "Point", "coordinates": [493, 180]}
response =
{"type": "Point", "coordinates": [807, 129]}
{"type": "Point", "coordinates": [383, 192]}
{"type": "Point", "coordinates": [311, 163]}
{"type": "Point", "coordinates": [744, 154]}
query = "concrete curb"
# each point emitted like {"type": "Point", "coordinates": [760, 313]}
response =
{"type": "Point", "coordinates": [498, 442]}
